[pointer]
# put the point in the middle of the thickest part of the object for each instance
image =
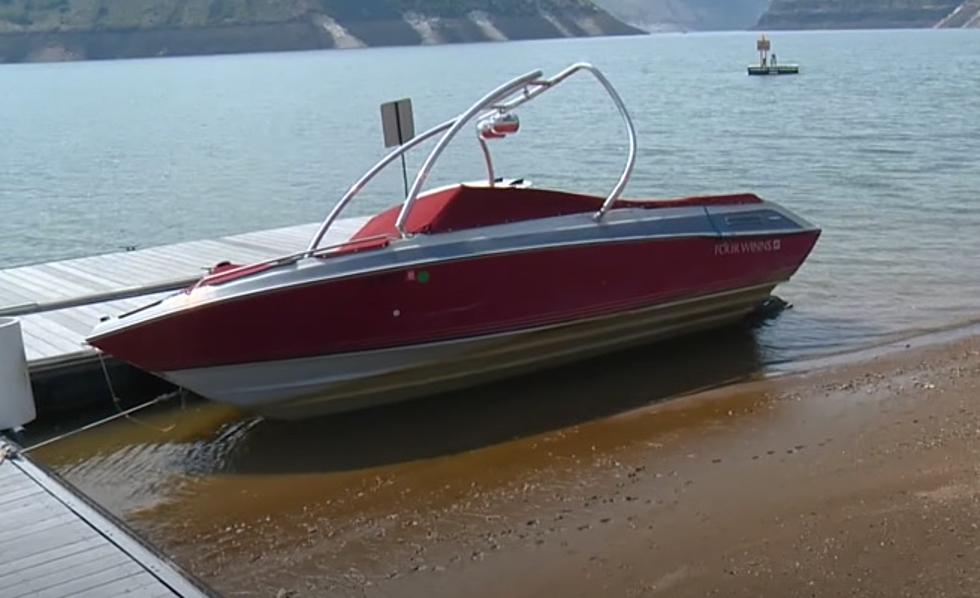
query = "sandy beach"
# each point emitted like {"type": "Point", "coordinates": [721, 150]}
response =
{"type": "Point", "coordinates": [860, 478]}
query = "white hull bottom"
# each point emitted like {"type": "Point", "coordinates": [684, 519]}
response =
{"type": "Point", "coordinates": [300, 388]}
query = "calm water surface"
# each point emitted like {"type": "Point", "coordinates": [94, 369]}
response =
{"type": "Point", "coordinates": [878, 142]}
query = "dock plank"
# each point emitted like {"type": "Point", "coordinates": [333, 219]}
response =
{"type": "Point", "coordinates": [71, 319]}
{"type": "Point", "coordinates": [50, 556]}
{"type": "Point", "coordinates": [11, 485]}
{"type": "Point", "coordinates": [126, 274]}
{"type": "Point", "coordinates": [95, 280]}
{"type": "Point", "coordinates": [52, 285]}
{"type": "Point", "coordinates": [35, 292]}
{"type": "Point", "coordinates": [12, 494]}
{"type": "Point", "coordinates": [13, 296]}
{"type": "Point", "coordinates": [136, 270]}
{"type": "Point", "coordinates": [53, 331]}
{"type": "Point", "coordinates": [54, 543]}
{"type": "Point", "coordinates": [74, 279]}
{"type": "Point", "coordinates": [140, 584]}
{"type": "Point", "coordinates": [54, 571]}
{"type": "Point", "coordinates": [88, 577]}
{"type": "Point", "coordinates": [26, 506]}
{"type": "Point", "coordinates": [38, 345]}
{"type": "Point", "coordinates": [76, 530]}
{"type": "Point", "coordinates": [51, 524]}
{"type": "Point", "coordinates": [118, 271]}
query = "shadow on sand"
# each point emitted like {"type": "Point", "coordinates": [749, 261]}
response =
{"type": "Point", "coordinates": [466, 420]}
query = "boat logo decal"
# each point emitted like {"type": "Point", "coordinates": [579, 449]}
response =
{"type": "Point", "coordinates": [740, 247]}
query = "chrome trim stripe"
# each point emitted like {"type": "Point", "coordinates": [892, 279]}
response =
{"type": "Point", "coordinates": [471, 250]}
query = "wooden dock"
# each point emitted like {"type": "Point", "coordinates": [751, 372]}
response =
{"type": "Point", "coordinates": [56, 543]}
{"type": "Point", "coordinates": [59, 303]}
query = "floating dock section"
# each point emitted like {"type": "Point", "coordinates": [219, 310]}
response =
{"type": "Point", "coordinates": [55, 543]}
{"type": "Point", "coordinates": [782, 69]}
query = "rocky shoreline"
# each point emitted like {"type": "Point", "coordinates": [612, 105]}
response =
{"type": "Point", "coordinates": [866, 14]}
{"type": "Point", "coordinates": [318, 32]}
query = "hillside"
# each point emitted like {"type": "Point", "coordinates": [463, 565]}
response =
{"type": "Point", "coordinates": [867, 14]}
{"type": "Point", "coordinates": [38, 30]}
{"type": "Point", "coordinates": [966, 15]}
{"type": "Point", "coordinates": [684, 15]}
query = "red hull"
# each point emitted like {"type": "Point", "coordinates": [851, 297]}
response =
{"type": "Point", "coordinates": [485, 295]}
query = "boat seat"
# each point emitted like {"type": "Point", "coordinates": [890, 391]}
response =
{"type": "Point", "coordinates": [464, 207]}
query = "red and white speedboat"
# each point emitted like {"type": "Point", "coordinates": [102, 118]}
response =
{"type": "Point", "coordinates": [463, 284]}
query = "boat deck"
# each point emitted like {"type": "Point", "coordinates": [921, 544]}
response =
{"type": "Point", "coordinates": [55, 543]}
{"type": "Point", "coordinates": [60, 302]}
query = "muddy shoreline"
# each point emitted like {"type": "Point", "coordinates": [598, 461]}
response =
{"type": "Point", "coordinates": [856, 478]}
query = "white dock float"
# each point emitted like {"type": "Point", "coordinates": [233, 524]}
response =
{"type": "Point", "coordinates": [59, 303]}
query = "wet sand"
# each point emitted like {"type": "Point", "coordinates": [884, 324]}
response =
{"type": "Point", "coordinates": [856, 479]}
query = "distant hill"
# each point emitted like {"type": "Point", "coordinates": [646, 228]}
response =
{"type": "Point", "coordinates": [870, 14]}
{"type": "Point", "coordinates": [695, 15]}
{"type": "Point", "coordinates": [966, 15]}
{"type": "Point", "coordinates": [684, 15]}
{"type": "Point", "coordinates": [39, 30]}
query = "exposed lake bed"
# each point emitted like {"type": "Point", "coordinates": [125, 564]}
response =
{"type": "Point", "coordinates": [831, 476]}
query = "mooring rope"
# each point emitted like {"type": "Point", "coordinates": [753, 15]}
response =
{"type": "Point", "coordinates": [98, 423]}
{"type": "Point", "coordinates": [118, 403]}
{"type": "Point", "coordinates": [120, 413]}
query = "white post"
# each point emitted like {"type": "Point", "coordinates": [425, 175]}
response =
{"type": "Point", "coordinates": [16, 398]}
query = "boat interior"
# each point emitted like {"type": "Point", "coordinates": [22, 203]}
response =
{"type": "Point", "coordinates": [464, 207]}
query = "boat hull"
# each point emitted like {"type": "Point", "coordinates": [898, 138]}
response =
{"type": "Point", "coordinates": [450, 298]}
{"type": "Point", "coordinates": [303, 388]}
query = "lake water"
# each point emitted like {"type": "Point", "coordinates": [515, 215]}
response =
{"type": "Point", "coordinates": [877, 141]}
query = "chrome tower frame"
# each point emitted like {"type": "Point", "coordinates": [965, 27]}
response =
{"type": "Point", "coordinates": [499, 102]}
